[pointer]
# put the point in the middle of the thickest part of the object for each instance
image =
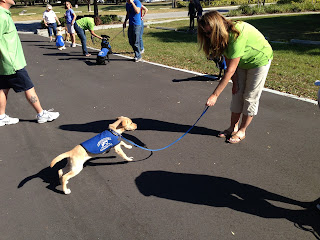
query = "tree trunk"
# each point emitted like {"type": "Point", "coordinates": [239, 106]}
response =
{"type": "Point", "coordinates": [96, 10]}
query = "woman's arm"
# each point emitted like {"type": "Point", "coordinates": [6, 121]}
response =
{"type": "Point", "coordinates": [57, 19]}
{"type": "Point", "coordinates": [74, 18]}
{"type": "Point", "coordinates": [93, 34]}
{"type": "Point", "coordinates": [44, 19]}
{"type": "Point", "coordinates": [232, 65]}
{"type": "Point", "coordinates": [144, 11]}
{"type": "Point", "coordinates": [125, 20]}
{"type": "Point", "coordinates": [136, 9]}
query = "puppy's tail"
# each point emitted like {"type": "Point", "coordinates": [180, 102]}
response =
{"type": "Point", "coordinates": [59, 158]}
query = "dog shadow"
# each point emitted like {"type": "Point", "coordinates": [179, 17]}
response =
{"type": "Point", "coordinates": [50, 175]}
{"type": "Point", "coordinates": [203, 78]}
{"type": "Point", "coordinates": [143, 124]}
{"type": "Point", "coordinates": [47, 175]}
{"type": "Point", "coordinates": [224, 192]}
{"type": "Point", "coordinates": [60, 53]}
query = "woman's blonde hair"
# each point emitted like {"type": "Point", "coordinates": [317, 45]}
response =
{"type": "Point", "coordinates": [214, 43]}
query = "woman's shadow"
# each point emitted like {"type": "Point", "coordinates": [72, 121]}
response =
{"type": "Point", "coordinates": [223, 192]}
{"type": "Point", "coordinates": [143, 124]}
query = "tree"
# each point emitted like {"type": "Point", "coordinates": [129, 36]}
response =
{"type": "Point", "coordinates": [174, 3]}
{"type": "Point", "coordinates": [96, 10]}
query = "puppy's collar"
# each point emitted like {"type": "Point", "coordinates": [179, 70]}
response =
{"type": "Point", "coordinates": [115, 133]}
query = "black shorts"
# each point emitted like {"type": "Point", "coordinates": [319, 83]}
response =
{"type": "Point", "coordinates": [19, 82]}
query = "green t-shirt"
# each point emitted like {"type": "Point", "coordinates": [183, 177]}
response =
{"type": "Point", "coordinates": [11, 53]}
{"type": "Point", "coordinates": [86, 23]}
{"type": "Point", "coordinates": [251, 46]}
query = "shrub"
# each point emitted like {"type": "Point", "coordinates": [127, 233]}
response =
{"type": "Point", "coordinates": [296, 6]}
{"type": "Point", "coordinates": [182, 4]}
{"type": "Point", "coordinates": [245, 9]}
{"type": "Point", "coordinates": [106, 19]}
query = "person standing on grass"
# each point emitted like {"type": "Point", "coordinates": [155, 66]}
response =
{"type": "Point", "coordinates": [199, 10]}
{"type": "Point", "coordinates": [248, 55]}
{"type": "Point", "coordinates": [133, 8]}
{"type": "Point", "coordinates": [50, 19]}
{"type": "Point", "coordinates": [70, 19]}
{"type": "Point", "coordinates": [83, 24]}
{"type": "Point", "coordinates": [144, 11]}
{"type": "Point", "coordinates": [192, 14]}
{"type": "Point", "coordinates": [12, 69]}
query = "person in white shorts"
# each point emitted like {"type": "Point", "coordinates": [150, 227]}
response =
{"type": "Point", "coordinates": [70, 19]}
{"type": "Point", "coordinates": [248, 55]}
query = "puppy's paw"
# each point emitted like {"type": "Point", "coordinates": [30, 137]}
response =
{"type": "Point", "coordinates": [129, 159]}
{"type": "Point", "coordinates": [67, 191]}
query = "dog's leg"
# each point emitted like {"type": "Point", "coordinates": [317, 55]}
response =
{"type": "Point", "coordinates": [65, 178]}
{"type": "Point", "coordinates": [66, 169]}
{"type": "Point", "coordinates": [119, 151]}
{"type": "Point", "coordinates": [122, 143]}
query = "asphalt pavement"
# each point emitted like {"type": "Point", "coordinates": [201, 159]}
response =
{"type": "Point", "coordinates": [265, 187]}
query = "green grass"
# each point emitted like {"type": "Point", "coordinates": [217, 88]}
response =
{"type": "Point", "coordinates": [104, 9]}
{"type": "Point", "coordinates": [293, 70]}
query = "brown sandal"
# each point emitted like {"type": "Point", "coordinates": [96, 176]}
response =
{"type": "Point", "coordinates": [236, 139]}
{"type": "Point", "coordinates": [225, 134]}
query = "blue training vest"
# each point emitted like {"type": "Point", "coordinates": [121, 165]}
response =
{"type": "Point", "coordinates": [59, 42]}
{"type": "Point", "coordinates": [102, 142]}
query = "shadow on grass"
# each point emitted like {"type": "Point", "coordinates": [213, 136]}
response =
{"type": "Point", "coordinates": [284, 28]}
{"type": "Point", "coordinates": [172, 36]}
{"type": "Point", "coordinates": [224, 192]}
{"type": "Point", "coordinates": [313, 50]}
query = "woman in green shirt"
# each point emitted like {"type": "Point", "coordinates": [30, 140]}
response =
{"type": "Point", "coordinates": [83, 24]}
{"type": "Point", "coordinates": [248, 55]}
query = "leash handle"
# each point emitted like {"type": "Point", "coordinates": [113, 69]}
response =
{"type": "Point", "coordinates": [159, 149]}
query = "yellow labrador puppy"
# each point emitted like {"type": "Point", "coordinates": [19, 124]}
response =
{"type": "Point", "coordinates": [90, 148]}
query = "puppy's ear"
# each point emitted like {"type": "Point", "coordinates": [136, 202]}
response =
{"type": "Point", "coordinates": [125, 122]}
{"type": "Point", "coordinates": [114, 125]}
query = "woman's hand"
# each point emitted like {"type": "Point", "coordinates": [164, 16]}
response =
{"type": "Point", "coordinates": [212, 100]}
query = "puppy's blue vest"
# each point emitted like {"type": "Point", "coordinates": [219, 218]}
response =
{"type": "Point", "coordinates": [59, 42]}
{"type": "Point", "coordinates": [102, 142]}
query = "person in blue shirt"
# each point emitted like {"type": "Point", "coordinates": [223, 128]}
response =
{"type": "Point", "coordinates": [133, 8]}
{"type": "Point", "coordinates": [70, 19]}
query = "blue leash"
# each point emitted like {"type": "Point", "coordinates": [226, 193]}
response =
{"type": "Point", "coordinates": [159, 149]}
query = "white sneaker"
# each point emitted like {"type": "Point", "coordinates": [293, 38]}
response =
{"type": "Point", "coordinates": [73, 45]}
{"type": "Point", "coordinates": [8, 120]}
{"type": "Point", "coordinates": [142, 51]}
{"type": "Point", "coordinates": [48, 116]}
{"type": "Point", "coordinates": [137, 59]}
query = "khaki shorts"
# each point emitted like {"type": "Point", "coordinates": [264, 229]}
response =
{"type": "Point", "coordinates": [70, 28]}
{"type": "Point", "coordinates": [250, 85]}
